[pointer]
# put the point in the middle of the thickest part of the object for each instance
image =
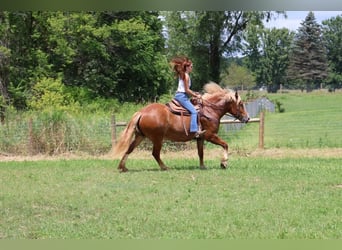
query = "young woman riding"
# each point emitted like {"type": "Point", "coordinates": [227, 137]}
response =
{"type": "Point", "coordinates": [183, 67]}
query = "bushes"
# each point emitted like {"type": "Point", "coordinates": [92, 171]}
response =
{"type": "Point", "coordinates": [55, 132]}
{"type": "Point", "coordinates": [51, 93]}
{"type": "Point", "coordinates": [61, 119]}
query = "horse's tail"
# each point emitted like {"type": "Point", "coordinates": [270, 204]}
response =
{"type": "Point", "coordinates": [126, 137]}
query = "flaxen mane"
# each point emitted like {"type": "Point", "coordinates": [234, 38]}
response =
{"type": "Point", "coordinates": [213, 88]}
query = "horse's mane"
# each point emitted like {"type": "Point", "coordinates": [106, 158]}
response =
{"type": "Point", "coordinates": [213, 89]}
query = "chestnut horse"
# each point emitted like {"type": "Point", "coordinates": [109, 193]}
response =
{"type": "Point", "coordinates": [157, 123]}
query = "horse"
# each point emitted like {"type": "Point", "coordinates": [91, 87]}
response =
{"type": "Point", "coordinates": [157, 123]}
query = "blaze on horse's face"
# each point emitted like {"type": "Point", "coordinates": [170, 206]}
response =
{"type": "Point", "coordinates": [239, 109]}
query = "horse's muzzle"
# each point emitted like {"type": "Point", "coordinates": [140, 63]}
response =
{"type": "Point", "coordinates": [245, 119]}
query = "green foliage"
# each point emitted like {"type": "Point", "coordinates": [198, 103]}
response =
{"type": "Point", "coordinates": [124, 55]}
{"type": "Point", "coordinates": [148, 78]}
{"type": "Point", "coordinates": [238, 77]}
{"type": "Point", "coordinates": [267, 53]}
{"type": "Point", "coordinates": [279, 106]}
{"type": "Point", "coordinates": [112, 54]}
{"type": "Point", "coordinates": [207, 37]}
{"type": "Point", "coordinates": [50, 94]}
{"type": "Point", "coordinates": [332, 33]}
{"type": "Point", "coordinates": [4, 52]}
{"type": "Point", "coordinates": [308, 58]}
{"type": "Point", "coordinates": [334, 81]}
{"type": "Point", "coordinates": [166, 98]}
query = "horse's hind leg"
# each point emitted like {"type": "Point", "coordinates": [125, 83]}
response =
{"type": "Point", "coordinates": [157, 145]}
{"type": "Point", "coordinates": [137, 140]}
{"type": "Point", "coordinates": [200, 143]}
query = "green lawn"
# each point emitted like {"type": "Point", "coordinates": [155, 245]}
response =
{"type": "Point", "coordinates": [256, 198]}
{"type": "Point", "coordinates": [310, 120]}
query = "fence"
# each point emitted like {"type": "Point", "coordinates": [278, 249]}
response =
{"type": "Point", "coordinates": [307, 123]}
{"type": "Point", "coordinates": [260, 120]}
{"type": "Point", "coordinates": [55, 133]}
{"type": "Point", "coordinates": [59, 133]}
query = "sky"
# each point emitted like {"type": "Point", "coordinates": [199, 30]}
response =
{"type": "Point", "coordinates": [295, 18]}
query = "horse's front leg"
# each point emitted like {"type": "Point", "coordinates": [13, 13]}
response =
{"type": "Point", "coordinates": [200, 143]}
{"type": "Point", "coordinates": [218, 141]}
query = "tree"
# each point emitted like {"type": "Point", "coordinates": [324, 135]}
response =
{"type": "Point", "coordinates": [207, 37]}
{"type": "Point", "coordinates": [308, 60]}
{"type": "Point", "coordinates": [20, 58]}
{"type": "Point", "coordinates": [146, 73]}
{"type": "Point", "coordinates": [267, 53]}
{"type": "Point", "coordinates": [5, 54]}
{"type": "Point", "coordinates": [238, 77]}
{"type": "Point", "coordinates": [332, 35]}
{"type": "Point", "coordinates": [253, 49]}
{"type": "Point", "coordinates": [111, 54]}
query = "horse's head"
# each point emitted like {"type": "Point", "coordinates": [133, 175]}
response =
{"type": "Point", "coordinates": [237, 108]}
{"type": "Point", "coordinates": [223, 101]}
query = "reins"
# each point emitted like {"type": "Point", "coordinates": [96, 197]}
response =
{"type": "Point", "coordinates": [229, 115]}
{"type": "Point", "coordinates": [215, 106]}
{"type": "Point", "coordinates": [210, 104]}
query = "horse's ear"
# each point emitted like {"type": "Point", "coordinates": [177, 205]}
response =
{"type": "Point", "coordinates": [236, 95]}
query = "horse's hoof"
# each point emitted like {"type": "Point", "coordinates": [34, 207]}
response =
{"type": "Point", "coordinates": [224, 165]}
{"type": "Point", "coordinates": [123, 170]}
{"type": "Point", "coordinates": [164, 168]}
{"type": "Point", "coordinates": [203, 167]}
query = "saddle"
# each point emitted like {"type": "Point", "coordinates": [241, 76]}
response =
{"type": "Point", "coordinates": [176, 108]}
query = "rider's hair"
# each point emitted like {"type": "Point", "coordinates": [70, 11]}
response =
{"type": "Point", "coordinates": [179, 65]}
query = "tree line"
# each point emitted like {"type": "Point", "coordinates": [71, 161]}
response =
{"type": "Point", "coordinates": [59, 58]}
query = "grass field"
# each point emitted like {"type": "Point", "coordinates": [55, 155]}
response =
{"type": "Point", "coordinates": [291, 190]}
{"type": "Point", "coordinates": [257, 198]}
{"type": "Point", "coordinates": [310, 120]}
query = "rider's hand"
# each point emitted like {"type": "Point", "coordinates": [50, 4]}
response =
{"type": "Point", "coordinates": [197, 95]}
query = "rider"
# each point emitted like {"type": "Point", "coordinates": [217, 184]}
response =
{"type": "Point", "coordinates": [183, 67]}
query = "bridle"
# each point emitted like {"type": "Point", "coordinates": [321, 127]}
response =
{"type": "Point", "coordinates": [215, 106]}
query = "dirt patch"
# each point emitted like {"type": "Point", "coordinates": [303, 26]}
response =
{"type": "Point", "coordinates": [298, 153]}
{"type": "Point", "coordinates": [192, 154]}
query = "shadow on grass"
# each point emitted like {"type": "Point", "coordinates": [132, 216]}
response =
{"type": "Point", "coordinates": [177, 165]}
{"type": "Point", "coordinates": [171, 168]}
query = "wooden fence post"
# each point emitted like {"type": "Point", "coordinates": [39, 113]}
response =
{"type": "Point", "coordinates": [113, 126]}
{"type": "Point", "coordinates": [261, 130]}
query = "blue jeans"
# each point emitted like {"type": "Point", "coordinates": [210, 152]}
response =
{"type": "Point", "coordinates": [184, 100]}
